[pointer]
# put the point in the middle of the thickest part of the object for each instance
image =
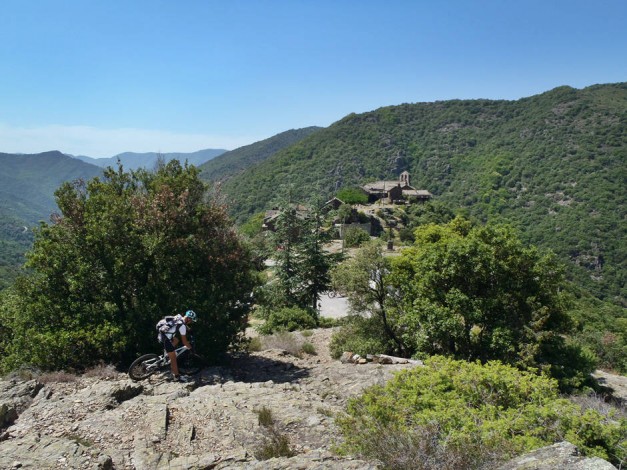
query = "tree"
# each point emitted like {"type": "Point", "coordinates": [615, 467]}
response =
{"type": "Point", "coordinates": [126, 250]}
{"type": "Point", "coordinates": [364, 278]}
{"type": "Point", "coordinates": [352, 196]}
{"type": "Point", "coordinates": [476, 292]}
{"type": "Point", "coordinates": [302, 265]}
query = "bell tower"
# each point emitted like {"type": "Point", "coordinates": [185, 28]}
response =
{"type": "Point", "coordinates": [404, 178]}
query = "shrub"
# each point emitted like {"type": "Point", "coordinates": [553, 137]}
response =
{"type": "Point", "coordinates": [126, 249]}
{"type": "Point", "coordinates": [254, 344]}
{"type": "Point", "coordinates": [274, 442]}
{"type": "Point", "coordinates": [479, 413]}
{"type": "Point", "coordinates": [309, 348]}
{"type": "Point", "coordinates": [352, 196]}
{"type": "Point", "coordinates": [355, 236]}
{"type": "Point", "coordinates": [264, 416]}
{"type": "Point", "coordinates": [326, 322]}
{"type": "Point", "coordinates": [406, 235]}
{"type": "Point", "coordinates": [361, 336]}
{"type": "Point", "coordinates": [289, 319]}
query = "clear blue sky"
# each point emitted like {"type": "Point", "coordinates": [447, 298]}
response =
{"type": "Point", "coordinates": [99, 77]}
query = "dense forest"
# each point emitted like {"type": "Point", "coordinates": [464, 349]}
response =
{"type": "Point", "coordinates": [552, 165]}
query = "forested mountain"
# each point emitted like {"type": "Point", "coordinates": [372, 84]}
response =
{"type": "Point", "coordinates": [553, 165]}
{"type": "Point", "coordinates": [133, 161]}
{"type": "Point", "coordinates": [231, 163]}
{"type": "Point", "coordinates": [27, 185]}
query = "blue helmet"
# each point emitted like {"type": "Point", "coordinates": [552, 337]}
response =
{"type": "Point", "coordinates": [191, 315]}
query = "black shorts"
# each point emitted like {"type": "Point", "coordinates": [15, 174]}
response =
{"type": "Point", "coordinates": [167, 343]}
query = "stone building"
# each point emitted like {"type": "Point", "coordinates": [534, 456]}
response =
{"type": "Point", "coordinates": [396, 192]}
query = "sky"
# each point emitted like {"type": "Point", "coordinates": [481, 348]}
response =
{"type": "Point", "coordinates": [98, 78]}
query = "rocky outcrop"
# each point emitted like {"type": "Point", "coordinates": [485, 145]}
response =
{"type": "Point", "coordinates": [210, 423]}
{"type": "Point", "coordinates": [560, 456]}
{"type": "Point", "coordinates": [15, 396]}
{"type": "Point", "coordinates": [39, 452]}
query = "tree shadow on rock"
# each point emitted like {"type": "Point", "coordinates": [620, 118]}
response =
{"type": "Point", "coordinates": [254, 369]}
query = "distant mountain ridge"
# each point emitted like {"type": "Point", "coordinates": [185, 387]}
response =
{"type": "Point", "coordinates": [28, 181]}
{"type": "Point", "coordinates": [27, 185]}
{"type": "Point", "coordinates": [133, 161]}
{"type": "Point", "coordinates": [235, 161]}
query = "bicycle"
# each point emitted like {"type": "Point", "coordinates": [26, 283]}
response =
{"type": "Point", "coordinates": [144, 366]}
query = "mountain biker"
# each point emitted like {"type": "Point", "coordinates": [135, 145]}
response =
{"type": "Point", "coordinates": [170, 340]}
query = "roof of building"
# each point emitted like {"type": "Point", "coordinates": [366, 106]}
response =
{"type": "Point", "coordinates": [378, 186]}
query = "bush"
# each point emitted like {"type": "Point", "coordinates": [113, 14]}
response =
{"type": "Point", "coordinates": [406, 235]}
{"type": "Point", "coordinates": [361, 336]}
{"type": "Point", "coordinates": [352, 196]}
{"type": "Point", "coordinates": [478, 413]}
{"type": "Point", "coordinates": [289, 319]}
{"type": "Point", "coordinates": [355, 236]}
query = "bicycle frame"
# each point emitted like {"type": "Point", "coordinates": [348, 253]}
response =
{"type": "Point", "coordinates": [164, 359]}
{"type": "Point", "coordinates": [148, 364]}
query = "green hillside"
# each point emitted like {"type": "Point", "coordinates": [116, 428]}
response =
{"type": "Point", "coordinates": [233, 162]}
{"type": "Point", "coordinates": [27, 185]}
{"type": "Point", "coordinates": [553, 165]}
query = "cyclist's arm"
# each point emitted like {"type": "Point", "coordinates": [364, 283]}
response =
{"type": "Point", "coordinates": [183, 332]}
{"type": "Point", "coordinates": [186, 342]}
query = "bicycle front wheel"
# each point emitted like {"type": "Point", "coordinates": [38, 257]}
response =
{"type": "Point", "coordinates": [144, 366]}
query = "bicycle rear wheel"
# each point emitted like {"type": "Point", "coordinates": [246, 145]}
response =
{"type": "Point", "coordinates": [144, 366]}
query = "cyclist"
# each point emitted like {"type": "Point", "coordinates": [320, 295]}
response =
{"type": "Point", "coordinates": [169, 339]}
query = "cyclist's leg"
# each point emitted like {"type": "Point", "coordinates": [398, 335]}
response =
{"type": "Point", "coordinates": [169, 348]}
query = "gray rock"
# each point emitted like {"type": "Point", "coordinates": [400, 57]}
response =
{"type": "Point", "coordinates": [15, 397]}
{"type": "Point", "coordinates": [39, 452]}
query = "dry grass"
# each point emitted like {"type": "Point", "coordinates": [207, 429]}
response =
{"type": "Point", "coordinates": [423, 448]}
{"type": "Point", "coordinates": [601, 405]}
{"type": "Point", "coordinates": [59, 376]}
{"type": "Point", "coordinates": [101, 371]}
{"type": "Point", "coordinates": [274, 442]}
{"type": "Point", "coordinates": [284, 340]}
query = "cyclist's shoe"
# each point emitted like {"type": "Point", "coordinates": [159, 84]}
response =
{"type": "Point", "coordinates": [178, 378]}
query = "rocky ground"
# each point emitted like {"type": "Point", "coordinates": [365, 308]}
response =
{"type": "Point", "coordinates": [109, 421]}
{"type": "Point", "coordinates": [212, 422]}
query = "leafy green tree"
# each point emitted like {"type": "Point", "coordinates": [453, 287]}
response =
{"type": "Point", "coordinates": [352, 196]}
{"type": "Point", "coordinates": [364, 279]}
{"type": "Point", "coordinates": [126, 250]}
{"type": "Point", "coordinates": [476, 292]}
{"type": "Point", "coordinates": [354, 236]}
